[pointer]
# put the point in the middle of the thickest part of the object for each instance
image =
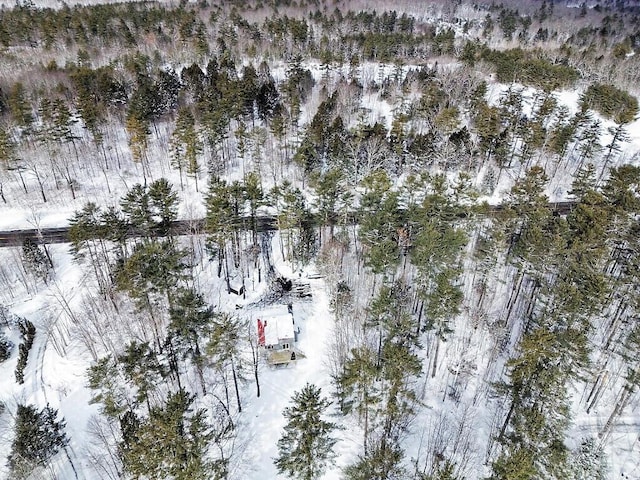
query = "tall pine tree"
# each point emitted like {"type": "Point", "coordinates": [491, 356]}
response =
{"type": "Point", "coordinates": [306, 446]}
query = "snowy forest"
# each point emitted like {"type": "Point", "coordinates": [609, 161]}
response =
{"type": "Point", "coordinates": [442, 199]}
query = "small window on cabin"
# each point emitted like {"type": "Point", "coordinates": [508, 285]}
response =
{"type": "Point", "coordinates": [285, 346]}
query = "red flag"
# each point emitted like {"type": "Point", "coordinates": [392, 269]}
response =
{"type": "Point", "coordinates": [261, 339]}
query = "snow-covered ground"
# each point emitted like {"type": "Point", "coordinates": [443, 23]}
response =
{"type": "Point", "coordinates": [457, 412]}
{"type": "Point", "coordinates": [457, 408]}
{"type": "Point", "coordinates": [560, 178]}
{"type": "Point", "coordinates": [263, 421]}
{"type": "Point", "coordinates": [58, 361]}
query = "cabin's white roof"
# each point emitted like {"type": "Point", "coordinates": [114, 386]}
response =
{"type": "Point", "coordinates": [278, 328]}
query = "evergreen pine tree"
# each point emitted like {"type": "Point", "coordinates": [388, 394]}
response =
{"type": "Point", "coordinates": [589, 141]}
{"type": "Point", "coordinates": [19, 106]}
{"type": "Point", "coordinates": [171, 443]}
{"type": "Point", "coordinates": [561, 133]}
{"type": "Point", "coordinates": [223, 348]}
{"type": "Point", "coordinates": [330, 190]}
{"type": "Point", "coordinates": [583, 182]}
{"type": "Point", "coordinates": [62, 122]}
{"type": "Point", "coordinates": [383, 461]}
{"type": "Point", "coordinates": [268, 100]}
{"type": "Point", "coordinates": [379, 223]}
{"type": "Point", "coordinates": [110, 388]}
{"type": "Point", "coordinates": [38, 437]}
{"type": "Point", "coordinates": [163, 205]}
{"type": "Point", "coordinates": [28, 331]}
{"type": "Point", "coordinates": [220, 222]}
{"type": "Point", "coordinates": [152, 268]}
{"type": "Point", "coordinates": [293, 213]}
{"type": "Point", "coordinates": [190, 320]}
{"type": "Point", "coordinates": [589, 461]}
{"type": "Point", "coordinates": [141, 369]}
{"type": "Point", "coordinates": [621, 189]}
{"type": "Point", "coordinates": [138, 130]}
{"type": "Point", "coordinates": [7, 149]}
{"type": "Point", "coordinates": [136, 207]}
{"type": "Point", "coordinates": [444, 471]}
{"type": "Point", "coordinates": [186, 145]}
{"type": "Point", "coordinates": [619, 135]}
{"type": "Point", "coordinates": [306, 446]}
{"type": "Point", "coordinates": [36, 261]}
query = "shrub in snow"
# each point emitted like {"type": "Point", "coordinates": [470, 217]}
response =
{"type": "Point", "coordinates": [589, 461]}
{"type": "Point", "coordinates": [5, 347]}
{"type": "Point", "coordinates": [28, 333]}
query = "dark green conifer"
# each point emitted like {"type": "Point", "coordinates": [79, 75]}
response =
{"type": "Point", "coordinates": [38, 437]}
{"type": "Point", "coordinates": [305, 449]}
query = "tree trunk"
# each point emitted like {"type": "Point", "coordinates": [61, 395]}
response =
{"type": "Point", "coordinates": [596, 391]}
{"type": "Point", "coordinates": [235, 384]}
{"type": "Point", "coordinates": [507, 420]}
{"type": "Point", "coordinates": [255, 374]}
{"type": "Point", "coordinates": [24, 186]}
{"type": "Point", "coordinates": [513, 298]}
{"type": "Point", "coordinates": [624, 398]}
{"type": "Point", "coordinates": [435, 357]}
{"type": "Point", "coordinates": [366, 421]}
{"type": "Point", "coordinates": [44, 198]}
{"type": "Point", "coordinates": [419, 325]}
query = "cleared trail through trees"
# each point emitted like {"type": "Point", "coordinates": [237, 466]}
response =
{"type": "Point", "coordinates": [12, 238]}
{"type": "Point", "coordinates": [40, 236]}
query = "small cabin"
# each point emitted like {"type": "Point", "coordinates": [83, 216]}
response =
{"type": "Point", "coordinates": [278, 334]}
